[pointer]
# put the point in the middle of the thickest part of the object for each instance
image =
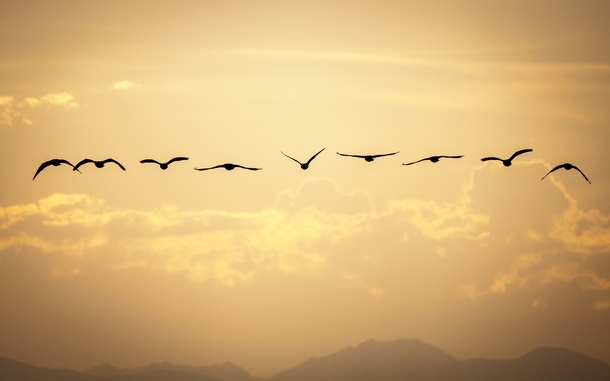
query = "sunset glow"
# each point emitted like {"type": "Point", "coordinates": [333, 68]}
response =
{"type": "Point", "coordinates": [268, 268]}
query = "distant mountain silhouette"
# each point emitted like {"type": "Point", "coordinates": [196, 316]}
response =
{"type": "Point", "coordinates": [370, 361]}
{"type": "Point", "coordinates": [414, 360]}
{"type": "Point", "coordinates": [225, 372]}
{"type": "Point", "coordinates": [11, 370]}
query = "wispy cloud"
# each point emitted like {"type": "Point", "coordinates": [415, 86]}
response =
{"type": "Point", "coordinates": [602, 305]}
{"type": "Point", "coordinates": [422, 59]}
{"type": "Point", "coordinates": [464, 83]}
{"type": "Point", "coordinates": [123, 85]}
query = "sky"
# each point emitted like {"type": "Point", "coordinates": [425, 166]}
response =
{"type": "Point", "coordinates": [268, 268]}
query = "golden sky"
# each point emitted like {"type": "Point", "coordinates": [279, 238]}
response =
{"type": "Point", "coordinates": [269, 268]}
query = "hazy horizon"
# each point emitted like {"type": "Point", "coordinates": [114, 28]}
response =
{"type": "Point", "coordinates": [267, 268]}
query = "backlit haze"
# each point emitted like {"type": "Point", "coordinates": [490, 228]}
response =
{"type": "Point", "coordinates": [268, 268]}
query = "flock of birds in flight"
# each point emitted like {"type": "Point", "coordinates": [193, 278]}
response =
{"type": "Point", "coordinates": [304, 166]}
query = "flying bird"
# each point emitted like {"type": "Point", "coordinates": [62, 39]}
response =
{"type": "Point", "coordinates": [434, 159]}
{"type": "Point", "coordinates": [304, 166]}
{"type": "Point", "coordinates": [368, 157]}
{"type": "Point", "coordinates": [508, 162]}
{"type": "Point", "coordinates": [566, 166]}
{"type": "Point", "coordinates": [164, 165]}
{"type": "Point", "coordinates": [228, 167]}
{"type": "Point", "coordinates": [98, 164]}
{"type": "Point", "coordinates": [53, 162]}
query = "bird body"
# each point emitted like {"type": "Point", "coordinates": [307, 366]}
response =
{"type": "Point", "coordinates": [166, 164]}
{"type": "Point", "coordinates": [98, 164]}
{"type": "Point", "coordinates": [434, 159]}
{"type": "Point", "coordinates": [304, 166]}
{"type": "Point", "coordinates": [368, 158]}
{"type": "Point", "coordinates": [566, 166]}
{"type": "Point", "coordinates": [228, 167]}
{"type": "Point", "coordinates": [55, 163]}
{"type": "Point", "coordinates": [508, 162]}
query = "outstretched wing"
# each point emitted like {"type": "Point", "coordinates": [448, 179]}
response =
{"type": "Point", "coordinates": [150, 161]}
{"type": "Point", "coordinates": [292, 158]}
{"type": "Point", "coordinates": [214, 167]}
{"type": "Point", "coordinates": [414, 162]}
{"type": "Point", "coordinates": [248, 168]}
{"type": "Point", "coordinates": [50, 162]}
{"type": "Point", "coordinates": [40, 168]}
{"type": "Point", "coordinates": [583, 175]}
{"type": "Point", "coordinates": [385, 154]}
{"type": "Point", "coordinates": [554, 169]}
{"type": "Point", "coordinates": [314, 156]}
{"type": "Point", "coordinates": [179, 158]}
{"type": "Point", "coordinates": [84, 161]}
{"type": "Point", "coordinates": [491, 158]}
{"type": "Point", "coordinates": [345, 154]}
{"type": "Point", "coordinates": [451, 157]}
{"type": "Point", "coordinates": [519, 153]}
{"type": "Point", "coordinates": [110, 160]}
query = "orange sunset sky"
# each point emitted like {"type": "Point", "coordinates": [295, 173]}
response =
{"type": "Point", "coordinates": [268, 268]}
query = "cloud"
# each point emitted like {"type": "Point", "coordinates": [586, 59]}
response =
{"type": "Point", "coordinates": [299, 235]}
{"type": "Point", "coordinates": [581, 231]}
{"type": "Point", "coordinates": [319, 229]}
{"type": "Point", "coordinates": [523, 87]}
{"type": "Point", "coordinates": [58, 99]}
{"type": "Point", "coordinates": [470, 66]}
{"type": "Point", "coordinates": [12, 110]}
{"type": "Point", "coordinates": [123, 85]}
{"type": "Point", "coordinates": [441, 221]}
{"type": "Point", "coordinates": [561, 253]}
{"type": "Point", "coordinates": [602, 305]}
{"type": "Point", "coordinates": [222, 246]}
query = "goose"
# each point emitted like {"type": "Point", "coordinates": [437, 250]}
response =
{"type": "Point", "coordinates": [228, 167]}
{"type": "Point", "coordinates": [98, 164]}
{"type": "Point", "coordinates": [434, 159]}
{"type": "Point", "coordinates": [508, 162]}
{"type": "Point", "coordinates": [55, 163]}
{"type": "Point", "coordinates": [164, 165]}
{"type": "Point", "coordinates": [566, 166]}
{"type": "Point", "coordinates": [369, 158]}
{"type": "Point", "coordinates": [304, 166]}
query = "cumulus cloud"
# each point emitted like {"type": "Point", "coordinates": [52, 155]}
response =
{"type": "Point", "coordinates": [298, 235]}
{"type": "Point", "coordinates": [226, 247]}
{"type": "Point", "coordinates": [12, 110]}
{"type": "Point", "coordinates": [316, 229]}
{"type": "Point", "coordinates": [560, 254]}
{"type": "Point", "coordinates": [582, 231]}
{"type": "Point", "coordinates": [442, 221]}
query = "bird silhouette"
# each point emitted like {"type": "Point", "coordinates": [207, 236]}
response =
{"type": "Point", "coordinates": [434, 159]}
{"type": "Point", "coordinates": [164, 165]}
{"type": "Point", "coordinates": [53, 162]}
{"type": "Point", "coordinates": [228, 167]}
{"type": "Point", "coordinates": [508, 162]}
{"type": "Point", "coordinates": [304, 166]}
{"type": "Point", "coordinates": [566, 166]}
{"type": "Point", "coordinates": [98, 164]}
{"type": "Point", "coordinates": [368, 157]}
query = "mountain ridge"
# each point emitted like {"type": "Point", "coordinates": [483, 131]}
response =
{"type": "Point", "coordinates": [227, 371]}
{"type": "Point", "coordinates": [402, 359]}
